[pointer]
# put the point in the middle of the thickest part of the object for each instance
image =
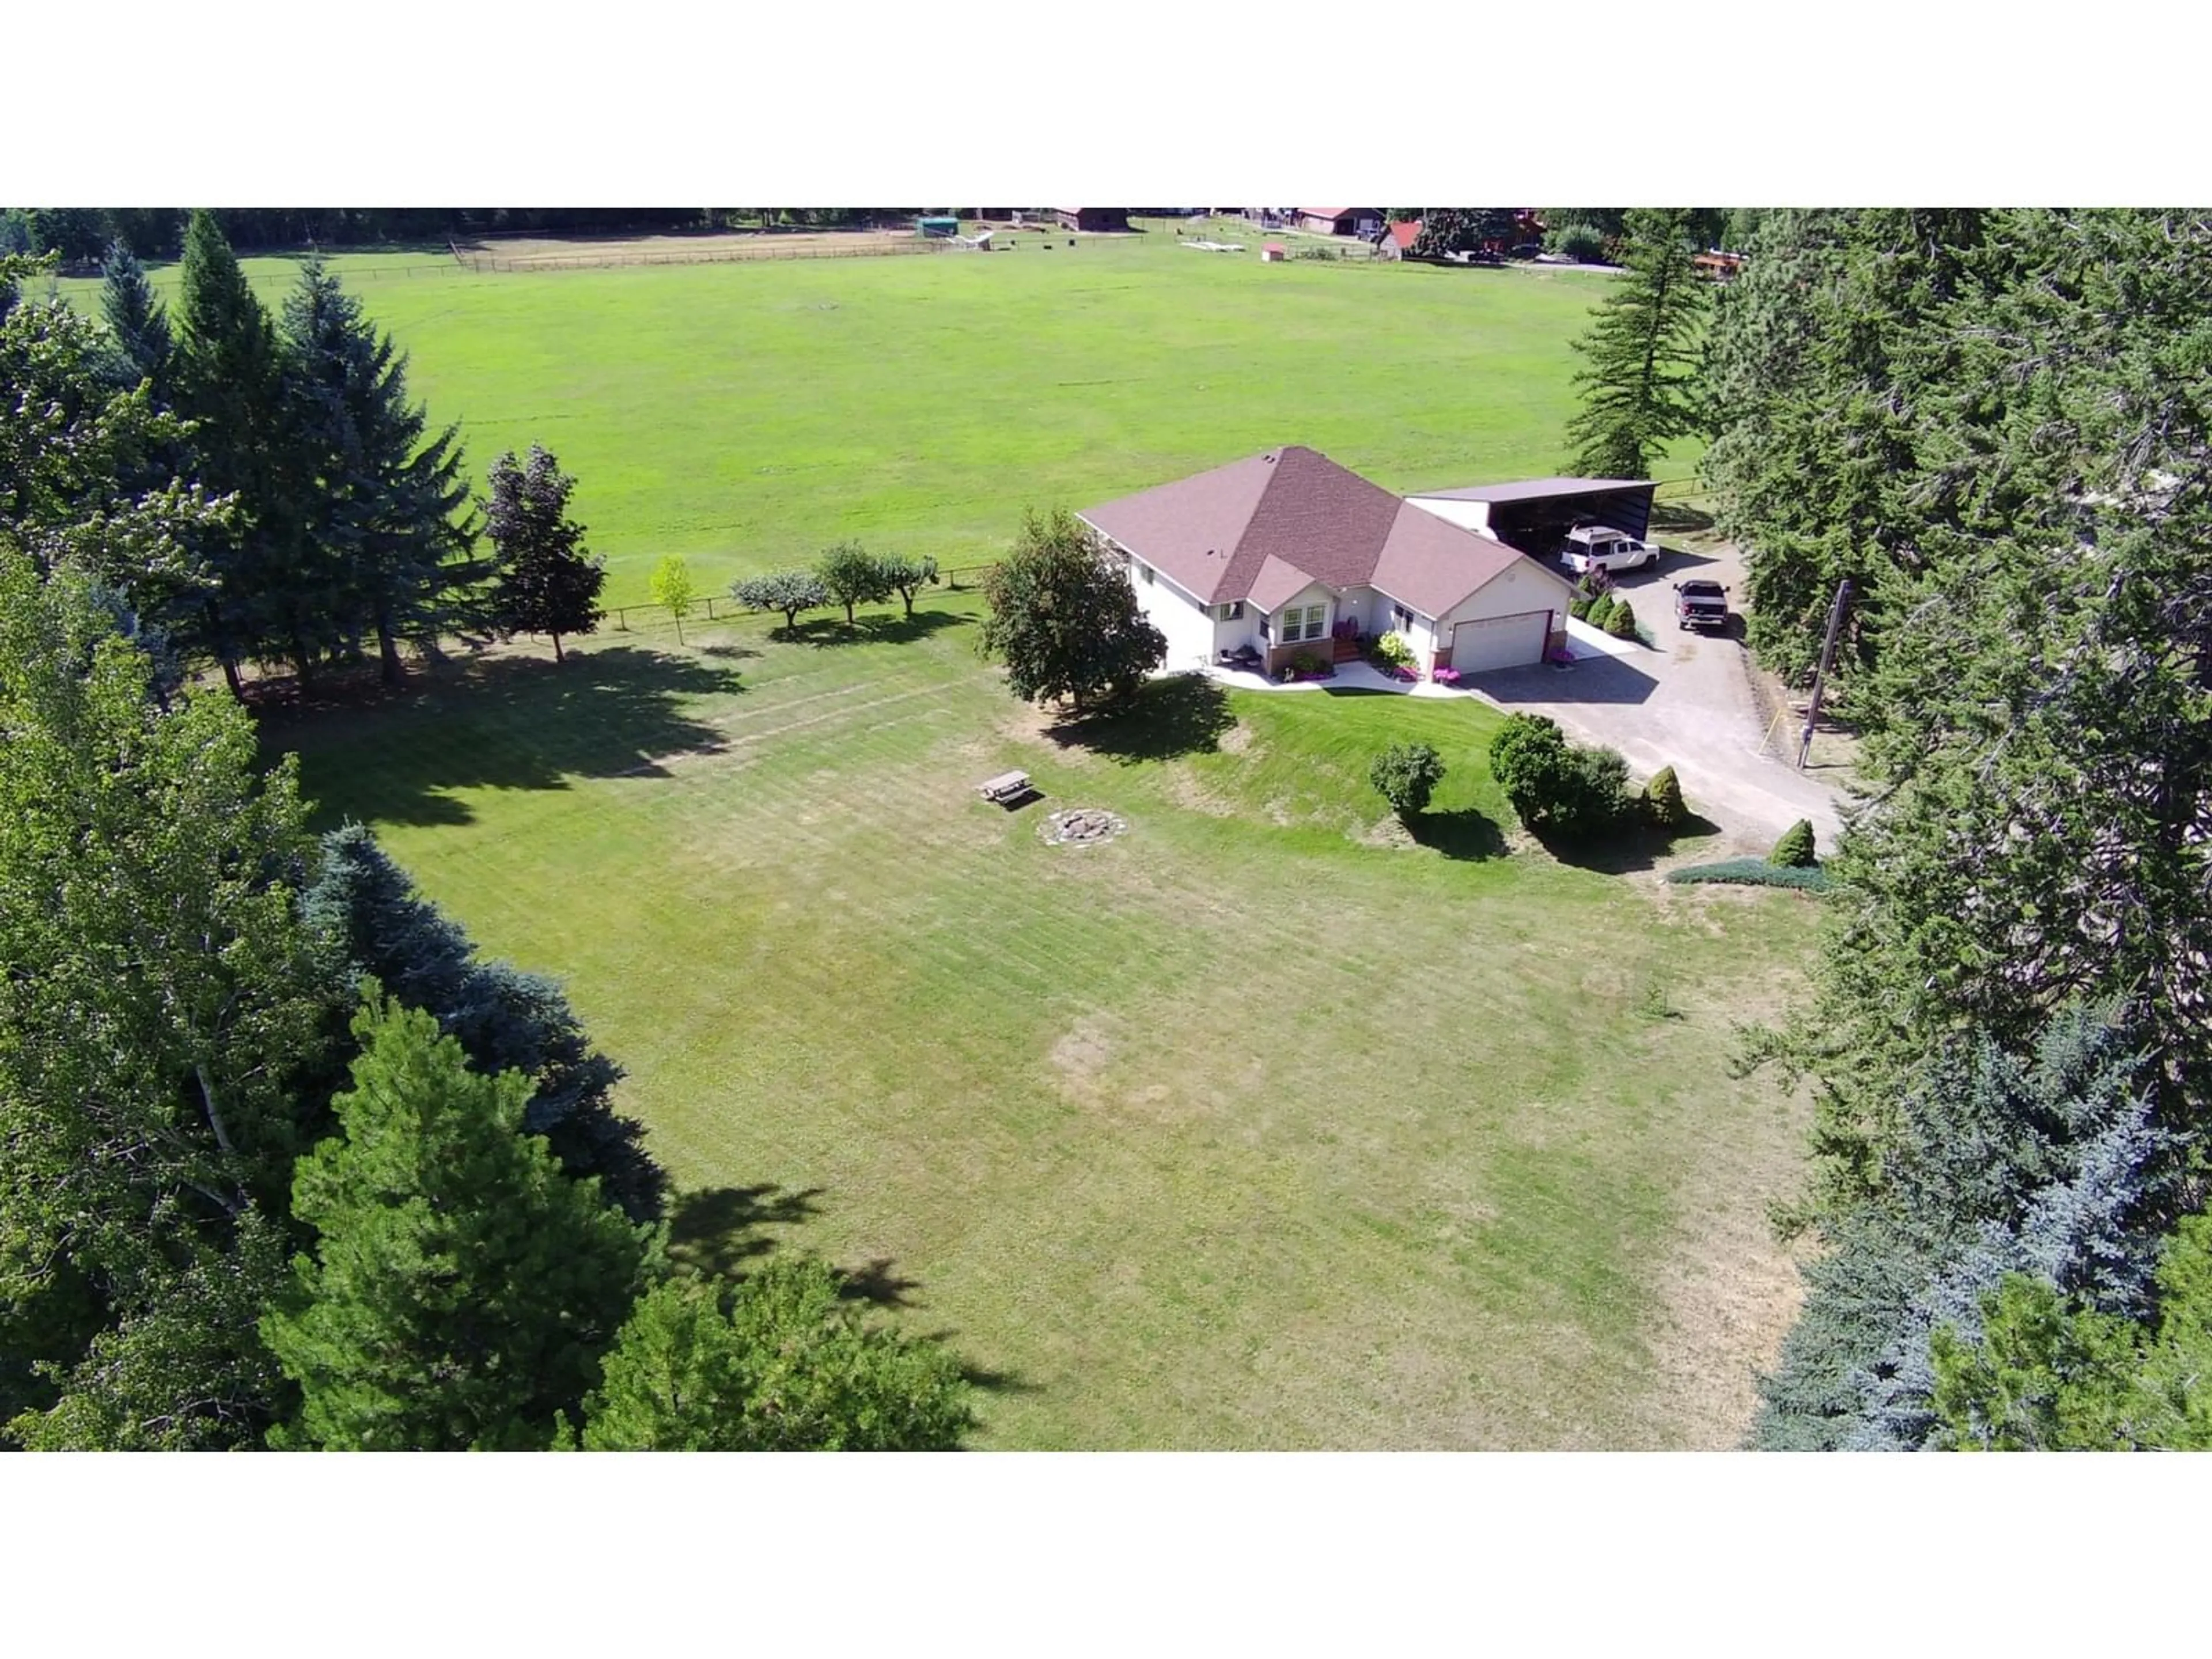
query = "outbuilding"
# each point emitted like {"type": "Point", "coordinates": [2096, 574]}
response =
{"type": "Point", "coordinates": [1535, 514]}
{"type": "Point", "coordinates": [937, 225]}
{"type": "Point", "coordinates": [1363, 222]}
{"type": "Point", "coordinates": [1095, 219]}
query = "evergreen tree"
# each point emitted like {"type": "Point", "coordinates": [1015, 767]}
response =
{"type": "Point", "coordinates": [1640, 390]}
{"type": "Point", "coordinates": [2047, 1165]}
{"type": "Point", "coordinates": [1821, 358]}
{"type": "Point", "coordinates": [2052, 1373]}
{"type": "Point", "coordinates": [504, 1019]}
{"type": "Point", "coordinates": [136, 317]}
{"type": "Point", "coordinates": [547, 583]}
{"type": "Point", "coordinates": [461, 1288]}
{"type": "Point", "coordinates": [781, 1364]}
{"type": "Point", "coordinates": [229, 382]}
{"type": "Point", "coordinates": [382, 532]}
{"type": "Point", "coordinates": [1065, 619]}
{"type": "Point", "coordinates": [162, 1018]}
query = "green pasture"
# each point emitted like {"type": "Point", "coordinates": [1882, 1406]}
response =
{"type": "Point", "coordinates": [1262, 1126]}
{"type": "Point", "coordinates": [747, 415]}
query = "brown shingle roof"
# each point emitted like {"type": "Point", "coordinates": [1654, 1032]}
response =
{"type": "Point", "coordinates": [1262, 528]}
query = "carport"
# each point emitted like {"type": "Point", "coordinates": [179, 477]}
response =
{"type": "Point", "coordinates": [1534, 515]}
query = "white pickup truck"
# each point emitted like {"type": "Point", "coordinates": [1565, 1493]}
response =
{"type": "Point", "coordinates": [1594, 547]}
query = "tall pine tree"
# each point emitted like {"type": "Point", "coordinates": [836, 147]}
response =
{"type": "Point", "coordinates": [230, 383]}
{"type": "Point", "coordinates": [136, 317]}
{"type": "Point", "coordinates": [547, 583]}
{"type": "Point", "coordinates": [1640, 389]}
{"type": "Point", "coordinates": [385, 511]}
{"type": "Point", "coordinates": [461, 1288]}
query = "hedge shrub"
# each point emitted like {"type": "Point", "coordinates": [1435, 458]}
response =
{"type": "Point", "coordinates": [1621, 621]}
{"type": "Point", "coordinates": [1578, 608]}
{"type": "Point", "coordinates": [1795, 850]}
{"type": "Point", "coordinates": [1556, 787]}
{"type": "Point", "coordinates": [1662, 799]}
{"type": "Point", "coordinates": [1752, 872]}
{"type": "Point", "coordinates": [1599, 609]}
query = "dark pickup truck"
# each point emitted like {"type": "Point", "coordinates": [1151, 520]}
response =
{"type": "Point", "coordinates": [1701, 604]}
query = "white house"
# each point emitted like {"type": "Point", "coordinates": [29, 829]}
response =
{"type": "Point", "coordinates": [1288, 553]}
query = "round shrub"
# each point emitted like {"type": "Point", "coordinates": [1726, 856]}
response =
{"type": "Point", "coordinates": [1393, 651]}
{"type": "Point", "coordinates": [1578, 608]}
{"type": "Point", "coordinates": [1406, 775]}
{"type": "Point", "coordinates": [1599, 609]}
{"type": "Point", "coordinates": [1621, 621]}
{"type": "Point", "coordinates": [1662, 799]}
{"type": "Point", "coordinates": [1556, 787]}
{"type": "Point", "coordinates": [1795, 850]}
{"type": "Point", "coordinates": [1580, 243]}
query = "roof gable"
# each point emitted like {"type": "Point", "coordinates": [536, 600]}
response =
{"type": "Point", "coordinates": [1264, 528]}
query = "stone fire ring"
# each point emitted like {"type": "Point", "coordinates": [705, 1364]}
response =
{"type": "Point", "coordinates": [1082, 826]}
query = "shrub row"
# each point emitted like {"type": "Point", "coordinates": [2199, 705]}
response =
{"type": "Point", "coordinates": [1753, 872]}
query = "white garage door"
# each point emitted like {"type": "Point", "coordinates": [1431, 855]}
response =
{"type": "Point", "coordinates": [1499, 642]}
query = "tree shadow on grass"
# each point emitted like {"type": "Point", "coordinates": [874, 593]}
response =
{"type": "Point", "coordinates": [823, 632]}
{"type": "Point", "coordinates": [879, 1285]}
{"type": "Point", "coordinates": [1180, 715]}
{"type": "Point", "coordinates": [1469, 833]}
{"type": "Point", "coordinates": [1678, 517]}
{"type": "Point", "coordinates": [715, 1231]}
{"type": "Point", "coordinates": [1638, 847]}
{"type": "Point", "coordinates": [503, 722]}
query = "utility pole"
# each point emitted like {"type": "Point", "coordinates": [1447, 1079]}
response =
{"type": "Point", "coordinates": [1820, 678]}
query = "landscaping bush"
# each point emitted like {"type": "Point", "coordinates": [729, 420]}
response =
{"type": "Point", "coordinates": [1579, 608]}
{"type": "Point", "coordinates": [1752, 872]}
{"type": "Point", "coordinates": [1392, 651]}
{"type": "Point", "coordinates": [1558, 787]}
{"type": "Point", "coordinates": [1795, 850]}
{"type": "Point", "coordinates": [1311, 665]}
{"type": "Point", "coordinates": [1599, 609]}
{"type": "Point", "coordinates": [1580, 243]}
{"type": "Point", "coordinates": [1662, 801]}
{"type": "Point", "coordinates": [1406, 775]}
{"type": "Point", "coordinates": [1621, 621]}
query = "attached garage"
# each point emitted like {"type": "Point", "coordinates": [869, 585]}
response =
{"type": "Point", "coordinates": [1484, 643]}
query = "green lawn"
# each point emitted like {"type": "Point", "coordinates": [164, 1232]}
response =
{"type": "Point", "coordinates": [747, 415]}
{"type": "Point", "coordinates": [1250, 1129]}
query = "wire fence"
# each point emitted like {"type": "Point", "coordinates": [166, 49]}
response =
{"type": "Point", "coordinates": [483, 263]}
{"type": "Point", "coordinates": [723, 607]}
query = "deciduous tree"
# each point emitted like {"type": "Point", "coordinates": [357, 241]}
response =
{"type": "Point", "coordinates": [852, 575]}
{"type": "Point", "coordinates": [672, 590]}
{"type": "Point", "coordinates": [906, 575]}
{"type": "Point", "coordinates": [548, 584]}
{"type": "Point", "coordinates": [1064, 619]}
{"type": "Point", "coordinates": [788, 591]}
{"type": "Point", "coordinates": [162, 1020]}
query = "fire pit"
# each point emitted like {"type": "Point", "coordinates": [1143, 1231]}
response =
{"type": "Point", "coordinates": [1082, 826]}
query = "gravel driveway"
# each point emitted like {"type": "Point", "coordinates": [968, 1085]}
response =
{"type": "Point", "coordinates": [1688, 704]}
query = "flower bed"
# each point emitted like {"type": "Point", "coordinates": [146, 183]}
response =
{"type": "Point", "coordinates": [1445, 675]}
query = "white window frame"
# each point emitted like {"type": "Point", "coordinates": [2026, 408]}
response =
{"type": "Point", "coordinates": [1312, 621]}
{"type": "Point", "coordinates": [1233, 611]}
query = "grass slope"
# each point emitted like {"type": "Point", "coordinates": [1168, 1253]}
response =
{"type": "Point", "coordinates": [746, 415]}
{"type": "Point", "coordinates": [1248, 1129]}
